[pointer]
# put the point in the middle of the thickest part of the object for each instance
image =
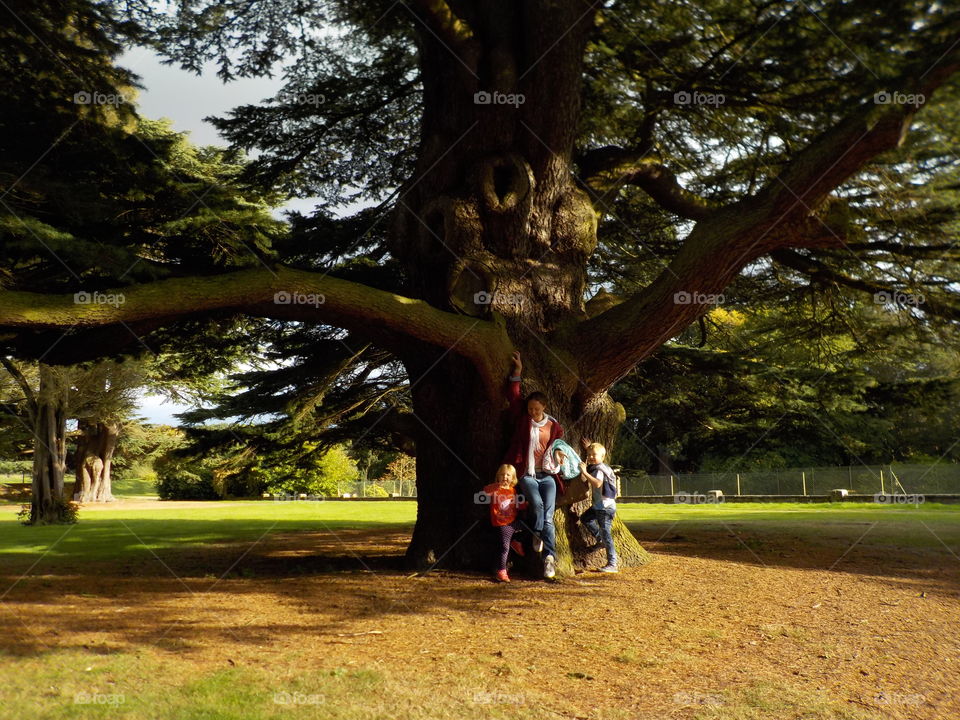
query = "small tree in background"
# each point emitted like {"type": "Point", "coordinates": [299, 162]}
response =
{"type": "Point", "coordinates": [402, 472]}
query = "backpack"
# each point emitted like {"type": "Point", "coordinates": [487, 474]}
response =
{"type": "Point", "coordinates": [609, 487]}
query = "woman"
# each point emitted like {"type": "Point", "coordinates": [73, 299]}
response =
{"type": "Point", "coordinates": [533, 433]}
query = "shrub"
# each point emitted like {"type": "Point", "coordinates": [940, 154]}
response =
{"type": "Point", "coordinates": [67, 513]}
{"type": "Point", "coordinates": [184, 479]}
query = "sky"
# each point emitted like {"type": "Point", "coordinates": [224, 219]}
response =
{"type": "Point", "coordinates": [186, 98]}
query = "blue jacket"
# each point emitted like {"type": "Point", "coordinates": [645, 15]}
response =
{"type": "Point", "coordinates": [570, 467]}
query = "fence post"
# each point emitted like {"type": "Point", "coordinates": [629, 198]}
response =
{"type": "Point", "coordinates": [803, 478]}
{"type": "Point", "coordinates": [882, 491]}
{"type": "Point", "coordinates": [738, 483]}
{"type": "Point", "coordinates": [672, 491]}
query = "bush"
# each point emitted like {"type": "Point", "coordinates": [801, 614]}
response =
{"type": "Point", "coordinates": [185, 479]}
{"type": "Point", "coordinates": [313, 475]}
{"type": "Point", "coordinates": [16, 467]}
{"type": "Point", "coordinates": [67, 513]}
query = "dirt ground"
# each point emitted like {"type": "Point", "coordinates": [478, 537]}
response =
{"type": "Point", "coordinates": [711, 623]}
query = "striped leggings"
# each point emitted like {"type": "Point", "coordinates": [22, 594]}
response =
{"type": "Point", "coordinates": [506, 535]}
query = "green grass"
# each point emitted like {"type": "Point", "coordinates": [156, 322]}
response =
{"type": "Point", "coordinates": [925, 526]}
{"type": "Point", "coordinates": [135, 487]}
{"type": "Point", "coordinates": [67, 685]}
{"type": "Point", "coordinates": [107, 533]}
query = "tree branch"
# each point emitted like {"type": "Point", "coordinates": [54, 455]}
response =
{"type": "Point", "coordinates": [871, 129]}
{"type": "Point", "coordinates": [28, 393]}
{"type": "Point", "coordinates": [943, 251]}
{"type": "Point", "coordinates": [399, 324]}
{"type": "Point", "coordinates": [439, 16]}
{"type": "Point", "coordinates": [817, 270]}
{"type": "Point", "coordinates": [727, 239]}
{"type": "Point", "coordinates": [609, 168]}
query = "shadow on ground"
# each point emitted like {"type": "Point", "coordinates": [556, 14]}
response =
{"type": "Point", "coordinates": [328, 583]}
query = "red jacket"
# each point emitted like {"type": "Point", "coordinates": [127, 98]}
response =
{"type": "Point", "coordinates": [517, 449]}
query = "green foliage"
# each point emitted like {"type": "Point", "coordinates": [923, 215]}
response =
{"type": "Point", "coordinates": [96, 196]}
{"type": "Point", "coordinates": [327, 473]}
{"type": "Point", "coordinates": [793, 373]}
{"type": "Point", "coordinates": [141, 444]}
{"type": "Point", "coordinates": [15, 467]}
{"type": "Point", "coordinates": [185, 479]}
{"type": "Point", "coordinates": [66, 512]}
{"type": "Point", "coordinates": [793, 386]}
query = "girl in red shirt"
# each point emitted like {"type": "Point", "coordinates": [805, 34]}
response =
{"type": "Point", "coordinates": [504, 502]}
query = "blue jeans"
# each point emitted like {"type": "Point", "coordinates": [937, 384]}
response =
{"type": "Point", "coordinates": [541, 493]}
{"type": "Point", "coordinates": [599, 522]}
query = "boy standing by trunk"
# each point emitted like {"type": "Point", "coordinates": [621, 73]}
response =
{"type": "Point", "coordinates": [598, 519]}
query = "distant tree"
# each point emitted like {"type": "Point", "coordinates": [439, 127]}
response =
{"type": "Point", "coordinates": [401, 473]}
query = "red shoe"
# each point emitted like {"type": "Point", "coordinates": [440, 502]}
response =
{"type": "Point", "coordinates": [502, 576]}
{"type": "Point", "coordinates": [516, 547]}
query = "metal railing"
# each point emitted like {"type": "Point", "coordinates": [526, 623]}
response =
{"type": "Point", "coordinates": [943, 478]}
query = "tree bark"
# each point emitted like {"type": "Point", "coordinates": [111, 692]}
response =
{"type": "Point", "coordinates": [93, 461]}
{"type": "Point", "coordinates": [49, 449]}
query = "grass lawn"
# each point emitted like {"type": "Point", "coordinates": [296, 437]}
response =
{"type": "Point", "coordinates": [266, 609]}
{"type": "Point", "coordinates": [922, 526]}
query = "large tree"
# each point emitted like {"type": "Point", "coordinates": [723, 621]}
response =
{"type": "Point", "coordinates": [496, 134]}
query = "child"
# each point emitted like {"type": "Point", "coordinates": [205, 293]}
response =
{"type": "Point", "coordinates": [533, 432]}
{"type": "Point", "coordinates": [598, 519]}
{"type": "Point", "coordinates": [502, 496]}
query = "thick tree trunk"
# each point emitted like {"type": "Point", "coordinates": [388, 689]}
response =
{"type": "Point", "coordinates": [49, 449]}
{"type": "Point", "coordinates": [493, 227]}
{"type": "Point", "coordinates": [93, 460]}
